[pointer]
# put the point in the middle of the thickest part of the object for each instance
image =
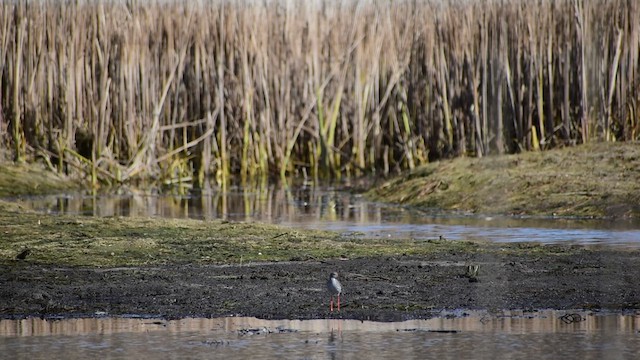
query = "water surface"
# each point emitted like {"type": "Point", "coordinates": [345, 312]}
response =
{"type": "Point", "coordinates": [463, 334]}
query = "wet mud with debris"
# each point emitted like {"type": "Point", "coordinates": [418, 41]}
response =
{"type": "Point", "coordinates": [375, 288]}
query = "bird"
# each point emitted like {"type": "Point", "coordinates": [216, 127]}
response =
{"type": "Point", "coordinates": [335, 288]}
{"type": "Point", "coordinates": [23, 255]}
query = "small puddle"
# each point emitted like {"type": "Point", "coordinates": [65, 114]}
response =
{"type": "Point", "coordinates": [470, 334]}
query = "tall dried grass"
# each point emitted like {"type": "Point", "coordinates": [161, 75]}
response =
{"type": "Point", "coordinates": [179, 91]}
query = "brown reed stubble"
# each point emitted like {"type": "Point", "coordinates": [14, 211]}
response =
{"type": "Point", "coordinates": [181, 91]}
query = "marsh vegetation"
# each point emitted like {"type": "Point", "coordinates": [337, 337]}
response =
{"type": "Point", "coordinates": [176, 91]}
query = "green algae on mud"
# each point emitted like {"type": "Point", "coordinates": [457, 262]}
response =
{"type": "Point", "coordinates": [592, 180]}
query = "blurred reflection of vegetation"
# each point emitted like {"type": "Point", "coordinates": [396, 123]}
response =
{"type": "Point", "coordinates": [272, 203]}
{"type": "Point", "coordinates": [178, 91]}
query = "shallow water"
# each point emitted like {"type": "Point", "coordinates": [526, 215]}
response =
{"type": "Point", "coordinates": [547, 334]}
{"type": "Point", "coordinates": [328, 208]}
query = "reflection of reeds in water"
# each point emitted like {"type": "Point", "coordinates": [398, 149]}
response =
{"type": "Point", "coordinates": [505, 322]}
{"type": "Point", "coordinates": [178, 91]}
{"type": "Point", "coordinates": [271, 203]}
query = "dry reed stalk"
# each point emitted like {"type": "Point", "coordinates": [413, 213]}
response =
{"type": "Point", "coordinates": [321, 88]}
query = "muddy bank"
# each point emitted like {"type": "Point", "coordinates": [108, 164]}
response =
{"type": "Point", "coordinates": [375, 288]}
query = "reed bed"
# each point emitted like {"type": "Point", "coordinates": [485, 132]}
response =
{"type": "Point", "coordinates": [178, 91]}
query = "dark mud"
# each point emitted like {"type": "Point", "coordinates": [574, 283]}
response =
{"type": "Point", "coordinates": [379, 288]}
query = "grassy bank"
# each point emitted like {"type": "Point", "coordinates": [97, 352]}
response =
{"type": "Point", "coordinates": [32, 179]}
{"type": "Point", "coordinates": [594, 180]}
{"type": "Point", "coordinates": [117, 241]}
{"type": "Point", "coordinates": [176, 90]}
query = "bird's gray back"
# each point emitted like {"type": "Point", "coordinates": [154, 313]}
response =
{"type": "Point", "coordinates": [334, 286]}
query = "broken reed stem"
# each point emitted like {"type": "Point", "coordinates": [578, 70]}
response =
{"type": "Point", "coordinates": [302, 88]}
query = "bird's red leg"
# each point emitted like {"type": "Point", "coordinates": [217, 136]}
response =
{"type": "Point", "coordinates": [331, 304]}
{"type": "Point", "coordinates": [338, 302]}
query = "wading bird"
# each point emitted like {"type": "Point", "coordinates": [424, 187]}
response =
{"type": "Point", "coordinates": [335, 288]}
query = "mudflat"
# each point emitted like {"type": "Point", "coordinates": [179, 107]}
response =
{"type": "Point", "coordinates": [385, 288]}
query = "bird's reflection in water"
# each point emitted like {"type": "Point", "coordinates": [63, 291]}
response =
{"type": "Point", "coordinates": [335, 338]}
